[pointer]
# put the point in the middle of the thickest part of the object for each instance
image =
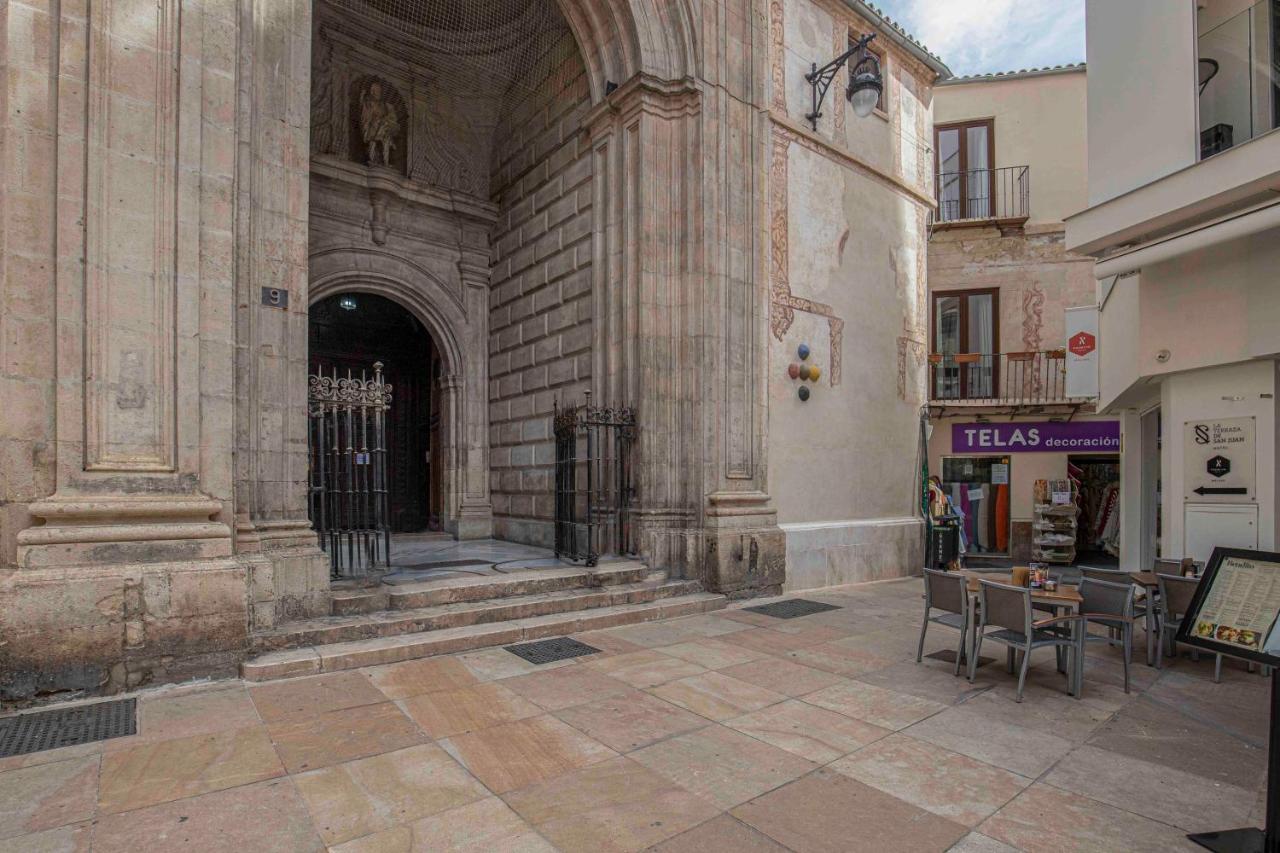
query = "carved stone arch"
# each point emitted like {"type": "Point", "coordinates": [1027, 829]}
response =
{"type": "Point", "coordinates": [619, 39]}
{"type": "Point", "coordinates": [435, 305]}
{"type": "Point", "coordinates": [460, 330]}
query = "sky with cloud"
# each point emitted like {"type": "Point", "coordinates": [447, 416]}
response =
{"type": "Point", "coordinates": [982, 36]}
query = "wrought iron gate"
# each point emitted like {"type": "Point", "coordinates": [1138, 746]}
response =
{"type": "Point", "coordinates": [594, 491]}
{"type": "Point", "coordinates": [347, 439]}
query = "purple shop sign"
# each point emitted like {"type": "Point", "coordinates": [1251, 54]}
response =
{"type": "Point", "coordinates": [1037, 437]}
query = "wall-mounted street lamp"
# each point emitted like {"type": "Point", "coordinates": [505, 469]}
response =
{"type": "Point", "coordinates": [865, 82]}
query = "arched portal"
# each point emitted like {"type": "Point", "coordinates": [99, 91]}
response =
{"type": "Point", "coordinates": [358, 335]}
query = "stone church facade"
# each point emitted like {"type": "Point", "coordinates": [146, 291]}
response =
{"type": "Point", "coordinates": [640, 211]}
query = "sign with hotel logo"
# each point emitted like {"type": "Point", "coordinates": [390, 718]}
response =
{"type": "Point", "coordinates": [1219, 461]}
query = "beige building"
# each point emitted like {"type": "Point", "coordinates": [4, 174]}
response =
{"type": "Point", "coordinates": [1010, 154]}
{"type": "Point", "coordinates": [292, 289]}
{"type": "Point", "coordinates": [1183, 222]}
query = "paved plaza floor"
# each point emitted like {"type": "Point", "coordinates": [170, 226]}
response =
{"type": "Point", "coordinates": [730, 731]}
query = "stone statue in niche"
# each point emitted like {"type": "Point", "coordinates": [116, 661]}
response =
{"type": "Point", "coordinates": [379, 124]}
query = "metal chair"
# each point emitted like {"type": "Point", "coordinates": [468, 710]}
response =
{"type": "Point", "coordinates": [1176, 593]}
{"type": "Point", "coordinates": [1008, 610]}
{"type": "Point", "coordinates": [1119, 576]}
{"type": "Point", "coordinates": [945, 591]}
{"type": "Point", "coordinates": [1111, 606]}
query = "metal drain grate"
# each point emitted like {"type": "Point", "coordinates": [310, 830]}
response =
{"type": "Point", "coordinates": [949, 655]}
{"type": "Point", "coordinates": [41, 730]}
{"type": "Point", "coordinates": [791, 608]}
{"type": "Point", "coordinates": [547, 651]}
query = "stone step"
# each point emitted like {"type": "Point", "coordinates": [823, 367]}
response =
{"type": "Point", "coordinates": [350, 655]}
{"type": "Point", "coordinates": [356, 601]}
{"type": "Point", "coordinates": [528, 582]}
{"type": "Point", "coordinates": [387, 623]}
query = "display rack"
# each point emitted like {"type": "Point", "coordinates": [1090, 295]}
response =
{"type": "Point", "coordinates": [1053, 531]}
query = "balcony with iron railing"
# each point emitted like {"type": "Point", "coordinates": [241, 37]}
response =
{"type": "Point", "coordinates": [983, 196]}
{"type": "Point", "coordinates": [999, 379]}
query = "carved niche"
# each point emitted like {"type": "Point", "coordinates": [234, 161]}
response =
{"type": "Point", "coordinates": [378, 124]}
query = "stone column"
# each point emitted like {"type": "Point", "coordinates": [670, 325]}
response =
{"type": "Point", "coordinates": [449, 393]}
{"type": "Point", "coordinates": [289, 574]}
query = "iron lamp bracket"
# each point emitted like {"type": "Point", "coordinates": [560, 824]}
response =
{"type": "Point", "coordinates": [819, 79]}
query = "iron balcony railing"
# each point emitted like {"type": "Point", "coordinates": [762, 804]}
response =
{"type": "Point", "coordinates": [1007, 378]}
{"type": "Point", "coordinates": [980, 195]}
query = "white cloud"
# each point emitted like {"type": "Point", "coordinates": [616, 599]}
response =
{"type": "Point", "coordinates": [980, 36]}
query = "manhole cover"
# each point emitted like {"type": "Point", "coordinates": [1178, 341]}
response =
{"type": "Point", "coordinates": [949, 655]}
{"type": "Point", "coordinates": [41, 730]}
{"type": "Point", "coordinates": [791, 608]}
{"type": "Point", "coordinates": [547, 651]}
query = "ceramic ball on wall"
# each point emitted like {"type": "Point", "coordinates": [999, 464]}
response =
{"type": "Point", "coordinates": [803, 393]}
{"type": "Point", "coordinates": [793, 370]}
{"type": "Point", "coordinates": [815, 372]}
{"type": "Point", "coordinates": [803, 351]}
{"type": "Point", "coordinates": [805, 372]}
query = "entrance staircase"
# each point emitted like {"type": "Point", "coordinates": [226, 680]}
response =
{"type": "Point", "coordinates": [390, 623]}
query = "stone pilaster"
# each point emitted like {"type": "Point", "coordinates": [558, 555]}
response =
{"type": "Point", "coordinates": [288, 570]}
{"type": "Point", "coordinates": [679, 326]}
{"type": "Point", "coordinates": [474, 518]}
{"type": "Point", "coordinates": [133, 212]}
{"type": "Point", "coordinates": [742, 548]}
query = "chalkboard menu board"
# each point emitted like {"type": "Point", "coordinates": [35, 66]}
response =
{"type": "Point", "coordinates": [1236, 605]}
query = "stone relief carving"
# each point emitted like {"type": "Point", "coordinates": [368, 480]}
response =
{"type": "Point", "coordinates": [413, 123]}
{"type": "Point", "coordinates": [910, 343]}
{"type": "Point", "coordinates": [379, 123]}
{"type": "Point", "coordinates": [1032, 317]}
{"type": "Point", "coordinates": [322, 104]}
{"type": "Point", "coordinates": [777, 56]}
{"type": "Point", "coordinates": [131, 393]}
{"type": "Point", "coordinates": [783, 303]}
{"type": "Point", "coordinates": [1032, 324]}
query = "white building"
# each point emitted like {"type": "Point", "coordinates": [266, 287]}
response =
{"type": "Point", "coordinates": [1184, 221]}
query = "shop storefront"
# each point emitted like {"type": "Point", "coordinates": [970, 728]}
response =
{"type": "Point", "coordinates": [989, 471]}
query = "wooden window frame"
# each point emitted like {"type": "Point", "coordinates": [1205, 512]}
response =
{"type": "Point", "coordinates": [994, 293]}
{"type": "Point", "coordinates": [962, 127]}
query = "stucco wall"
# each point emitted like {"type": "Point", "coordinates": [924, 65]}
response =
{"type": "Point", "coordinates": [1212, 307]}
{"type": "Point", "coordinates": [1235, 391]}
{"type": "Point", "coordinates": [1142, 110]}
{"type": "Point", "coordinates": [540, 288]}
{"type": "Point", "coordinates": [848, 279]}
{"type": "Point", "coordinates": [1039, 121]}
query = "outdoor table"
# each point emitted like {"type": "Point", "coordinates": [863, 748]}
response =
{"type": "Point", "coordinates": [1149, 583]}
{"type": "Point", "coordinates": [1065, 597]}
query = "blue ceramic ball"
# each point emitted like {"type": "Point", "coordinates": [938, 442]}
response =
{"type": "Point", "coordinates": [803, 351]}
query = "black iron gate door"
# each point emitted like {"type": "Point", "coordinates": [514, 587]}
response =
{"type": "Point", "coordinates": [594, 489]}
{"type": "Point", "coordinates": [347, 440]}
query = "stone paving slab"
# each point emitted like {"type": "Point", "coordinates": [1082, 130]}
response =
{"type": "Point", "coordinates": [726, 731]}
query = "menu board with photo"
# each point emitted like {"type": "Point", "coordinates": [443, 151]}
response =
{"type": "Point", "coordinates": [1236, 605]}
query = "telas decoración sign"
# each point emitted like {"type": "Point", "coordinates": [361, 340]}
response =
{"type": "Point", "coordinates": [1037, 437]}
